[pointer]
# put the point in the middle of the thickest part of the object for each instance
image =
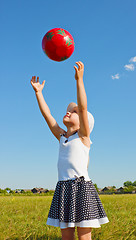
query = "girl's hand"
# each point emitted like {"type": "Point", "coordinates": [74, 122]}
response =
{"type": "Point", "coordinates": [79, 71]}
{"type": "Point", "coordinates": [36, 85]}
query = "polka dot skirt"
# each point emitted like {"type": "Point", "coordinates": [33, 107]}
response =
{"type": "Point", "coordinates": [76, 203]}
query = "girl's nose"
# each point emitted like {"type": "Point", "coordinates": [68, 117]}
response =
{"type": "Point", "coordinates": [68, 113]}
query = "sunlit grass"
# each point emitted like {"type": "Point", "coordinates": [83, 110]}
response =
{"type": "Point", "coordinates": [24, 217]}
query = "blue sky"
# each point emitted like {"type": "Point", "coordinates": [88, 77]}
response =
{"type": "Point", "coordinates": [105, 40]}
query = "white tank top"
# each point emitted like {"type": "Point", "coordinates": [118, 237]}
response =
{"type": "Point", "coordinates": [73, 158]}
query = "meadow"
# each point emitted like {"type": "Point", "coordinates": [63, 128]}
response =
{"type": "Point", "coordinates": [24, 217]}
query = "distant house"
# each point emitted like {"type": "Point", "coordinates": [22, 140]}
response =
{"type": "Point", "coordinates": [35, 190]}
{"type": "Point", "coordinates": [106, 189]}
{"type": "Point", "coordinates": [120, 189]}
{"type": "Point", "coordinates": [25, 190]}
{"type": "Point", "coordinates": [18, 190]}
{"type": "Point", "coordinates": [42, 190]}
{"type": "Point", "coordinates": [39, 190]}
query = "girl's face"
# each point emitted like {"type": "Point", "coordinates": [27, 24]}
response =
{"type": "Point", "coordinates": [71, 118]}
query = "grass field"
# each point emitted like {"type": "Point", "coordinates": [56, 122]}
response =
{"type": "Point", "coordinates": [24, 217]}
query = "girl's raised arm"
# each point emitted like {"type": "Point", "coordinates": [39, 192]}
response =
{"type": "Point", "coordinates": [82, 100]}
{"type": "Point", "coordinates": [54, 127]}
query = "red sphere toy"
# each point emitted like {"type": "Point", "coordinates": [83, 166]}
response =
{"type": "Point", "coordinates": [58, 44]}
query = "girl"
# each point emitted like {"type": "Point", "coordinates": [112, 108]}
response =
{"type": "Point", "coordinates": [75, 202]}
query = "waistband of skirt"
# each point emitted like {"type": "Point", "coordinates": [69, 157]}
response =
{"type": "Point", "coordinates": [76, 179]}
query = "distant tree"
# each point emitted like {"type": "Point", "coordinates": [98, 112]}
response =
{"type": "Point", "coordinates": [12, 191]}
{"type": "Point", "coordinates": [2, 191]}
{"type": "Point", "coordinates": [128, 183]}
{"type": "Point", "coordinates": [113, 187]}
{"type": "Point", "coordinates": [8, 190]}
{"type": "Point", "coordinates": [112, 190]}
{"type": "Point", "coordinates": [134, 183]}
{"type": "Point", "coordinates": [129, 189]}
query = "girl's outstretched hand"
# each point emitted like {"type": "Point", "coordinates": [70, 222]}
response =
{"type": "Point", "coordinates": [36, 85]}
{"type": "Point", "coordinates": [79, 71]}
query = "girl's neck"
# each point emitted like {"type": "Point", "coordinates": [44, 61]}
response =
{"type": "Point", "coordinates": [70, 131]}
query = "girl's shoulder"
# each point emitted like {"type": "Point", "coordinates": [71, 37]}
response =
{"type": "Point", "coordinates": [85, 140]}
{"type": "Point", "coordinates": [62, 134]}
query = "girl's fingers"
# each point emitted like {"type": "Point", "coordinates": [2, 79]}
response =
{"type": "Point", "coordinates": [78, 64]}
{"type": "Point", "coordinates": [43, 82]}
{"type": "Point", "coordinates": [82, 65]}
{"type": "Point", "coordinates": [76, 68]}
{"type": "Point", "coordinates": [31, 80]}
{"type": "Point", "coordinates": [32, 83]}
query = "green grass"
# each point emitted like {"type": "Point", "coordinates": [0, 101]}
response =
{"type": "Point", "coordinates": [24, 217]}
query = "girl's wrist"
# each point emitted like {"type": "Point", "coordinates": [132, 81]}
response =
{"type": "Point", "coordinates": [38, 92]}
{"type": "Point", "coordinates": [80, 79]}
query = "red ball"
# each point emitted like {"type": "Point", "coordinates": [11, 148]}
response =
{"type": "Point", "coordinates": [58, 44]}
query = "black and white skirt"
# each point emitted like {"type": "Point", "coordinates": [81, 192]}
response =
{"type": "Point", "coordinates": [76, 203]}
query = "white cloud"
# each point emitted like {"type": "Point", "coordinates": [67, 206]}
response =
{"type": "Point", "coordinates": [133, 59]}
{"type": "Point", "coordinates": [129, 67]}
{"type": "Point", "coordinates": [116, 76]}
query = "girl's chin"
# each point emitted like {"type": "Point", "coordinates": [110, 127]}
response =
{"type": "Point", "coordinates": [65, 119]}
{"type": "Point", "coordinates": [65, 122]}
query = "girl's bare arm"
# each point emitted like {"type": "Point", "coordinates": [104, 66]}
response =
{"type": "Point", "coordinates": [54, 127]}
{"type": "Point", "coordinates": [82, 100]}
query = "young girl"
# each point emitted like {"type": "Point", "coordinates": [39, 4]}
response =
{"type": "Point", "coordinates": [75, 202]}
